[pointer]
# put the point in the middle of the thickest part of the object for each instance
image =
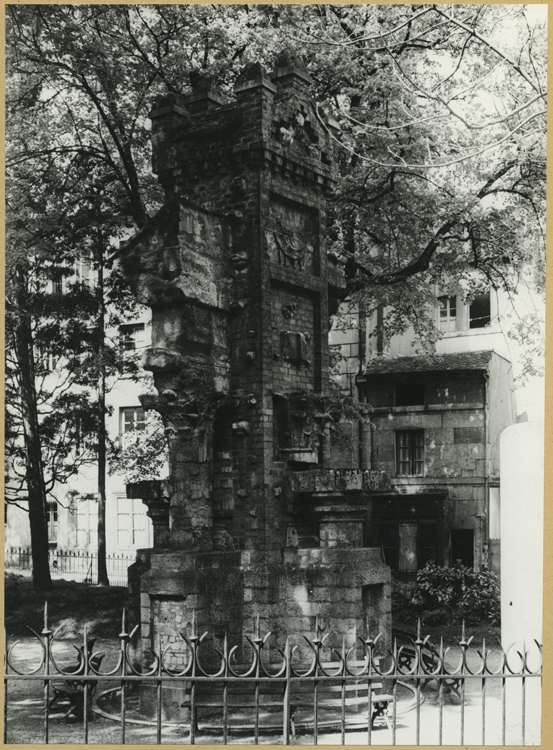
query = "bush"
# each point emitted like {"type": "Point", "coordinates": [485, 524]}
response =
{"type": "Point", "coordinates": [404, 601]}
{"type": "Point", "coordinates": [473, 595]}
{"type": "Point", "coordinates": [454, 593]}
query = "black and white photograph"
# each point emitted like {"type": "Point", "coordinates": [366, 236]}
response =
{"type": "Point", "coordinates": [274, 373]}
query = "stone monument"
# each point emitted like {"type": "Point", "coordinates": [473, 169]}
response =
{"type": "Point", "coordinates": [253, 522]}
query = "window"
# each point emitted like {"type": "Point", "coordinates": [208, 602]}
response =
{"type": "Point", "coordinates": [480, 311]}
{"type": "Point", "coordinates": [131, 337]}
{"type": "Point", "coordinates": [84, 273]}
{"type": "Point", "coordinates": [86, 522]}
{"type": "Point", "coordinates": [408, 546]}
{"type": "Point", "coordinates": [411, 393]}
{"type": "Point", "coordinates": [133, 525]}
{"type": "Point", "coordinates": [410, 452]}
{"type": "Point", "coordinates": [462, 547]}
{"type": "Point", "coordinates": [52, 509]}
{"type": "Point", "coordinates": [447, 313]}
{"type": "Point", "coordinates": [132, 418]}
{"type": "Point", "coordinates": [45, 360]}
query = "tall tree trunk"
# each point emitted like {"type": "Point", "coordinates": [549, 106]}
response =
{"type": "Point", "coordinates": [38, 518]}
{"type": "Point", "coordinates": [103, 579]}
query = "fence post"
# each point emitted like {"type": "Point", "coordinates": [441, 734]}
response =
{"type": "Point", "coordinates": [46, 633]}
{"type": "Point", "coordinates": [286, 701]}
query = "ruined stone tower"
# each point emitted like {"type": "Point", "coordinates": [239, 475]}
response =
{"type": "Point", "coordinates": [253, 520]}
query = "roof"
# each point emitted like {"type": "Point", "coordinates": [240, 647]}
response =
{"type": "Point", "coordinates": [429, 363]}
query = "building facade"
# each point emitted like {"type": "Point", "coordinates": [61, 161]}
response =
{"type": "Point", "coordinates": [73, 507]}
{"type": "Point", "coordinates": [436, 412]}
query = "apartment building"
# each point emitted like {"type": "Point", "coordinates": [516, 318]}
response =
{"type": "Point", "coordinates": [435, 416]}
{"type": "Point", "coordinates": [73, 507]}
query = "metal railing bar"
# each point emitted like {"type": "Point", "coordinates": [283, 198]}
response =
{"type": "Point", "coordinates": [440, 712]}
{"type": "Point", "coordinates": [523, 710]}
{"type": "Point", "coordinates": [193, 713]}
{"type": "Point", "coordinates": [86, 686]}
{"type": "Point", "coordinates": [123, 712]}
{"type": "Point", "coordinates": [225, 713]}
{"type": "Point", "coordinates": [158, 712]}
{"type": "Point", "coordinates": [85, 716]}
{"type": "Point", "coordinates": [483, 710]}
{"type": "Point", "coordinates": [46, 633]}
{"type": "Point", "coordinates": [369, 713]}
{"type": "Point", "coordinates": [503, 707]}
{"type": "Point", "coordinates": [256, 715]}
{"type": "Point", "coordinates": [315, 713]}
{"type": "Point", "coordinates": [271, 680]}
{"type": "Point", "coordinates": [343, 714]}
{"type": "Point", "coordinates": [417, 712]}
{"type": "Point", "coordinates": [394, 709]}
{"type": "Point", "coordinates": [286, 699]}
{"type": "Point", "coordinates": [462, 741]}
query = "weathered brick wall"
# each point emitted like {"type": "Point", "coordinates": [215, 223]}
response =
{"type": "Point", "coordinates": [235, 268]}
{"type": "Point", "coordinates": [264, 162]}
{"type": "Point", "coordinates": [454, 424]}
{"type": "Point", "coordinates": [453, 421]}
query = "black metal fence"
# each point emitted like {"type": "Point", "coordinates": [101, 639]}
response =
{"type": "Point", "coordinates": [414, 693]}
{"type": "Point", "coordinates": [73, 565]}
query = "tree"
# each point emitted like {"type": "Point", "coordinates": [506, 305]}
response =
{"type": "Point", "coordinates": [56, 333]}
{"type": "Point", "coordinates": [144, 454]}
{"type": "Point", "coordinates": [442, 148]}
{"type": "Point", "coordinates": [442, 116]}
{"type": "Point", "coordinates": [441, 154]}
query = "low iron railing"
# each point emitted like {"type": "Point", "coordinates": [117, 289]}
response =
{"type": "Point", "coordinates": [73, 565]}
{"type": "Point", "coordinates": [348, 693]}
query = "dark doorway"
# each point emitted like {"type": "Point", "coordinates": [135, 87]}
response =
{"type": "Point", "coordinates": [462, 547]}
{"type": "Point", "coordinates": [428, 540]}
{"type": "Point", "coordinates": [389, 542]}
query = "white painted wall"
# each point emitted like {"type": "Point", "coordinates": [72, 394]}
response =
{"type": "Point", "coordinates": [522, 529]}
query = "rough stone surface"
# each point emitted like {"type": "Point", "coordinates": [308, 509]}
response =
{"type": "Point", "coordinates": [235, 270]}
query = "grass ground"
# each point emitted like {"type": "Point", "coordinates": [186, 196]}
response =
{"type": "Point", "coordinates": [75, 605]}
{"type": "Point", "coordinates": [99, 608]}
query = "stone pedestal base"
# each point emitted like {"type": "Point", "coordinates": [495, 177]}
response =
{"type": "Point", "coordinates": [347, 589]}
{"type": "Point", "coordinates": [342, 590]}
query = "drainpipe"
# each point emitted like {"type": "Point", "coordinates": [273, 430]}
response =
{"type": "Point", "coordinates": [364, 435]}
{"type": "Point", "coordinates": [362, 336]}
{"type": "Point", "coordinates": [484, 521]}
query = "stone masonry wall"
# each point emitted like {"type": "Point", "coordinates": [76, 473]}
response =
{"type": "Point", "coordinates": [236, 271]}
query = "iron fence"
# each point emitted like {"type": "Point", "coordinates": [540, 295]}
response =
{"type": "Point", "coordinates": [73, 565]}
{"type": "Point", "coordinates": [344, 694]}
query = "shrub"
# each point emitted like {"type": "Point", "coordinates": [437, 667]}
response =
{"type": "Point", "coordinates": [405, 601]}
{"type": "Point", "coordinates": [464, 591]}
{"type": "Point", "coordinates": [453, 594]}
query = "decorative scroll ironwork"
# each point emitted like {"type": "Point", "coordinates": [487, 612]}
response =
{"type": "Point", "coordinates": [308, 694]}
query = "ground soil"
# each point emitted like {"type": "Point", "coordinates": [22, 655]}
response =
{"type": "Point", "coordinates": [70, 604]}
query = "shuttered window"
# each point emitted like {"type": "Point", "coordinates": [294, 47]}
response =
{"type": "Point", "coordinates": [410, 452]}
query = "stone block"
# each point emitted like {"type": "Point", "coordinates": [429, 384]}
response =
{"type": "Point", "coordinates": [469, 435]}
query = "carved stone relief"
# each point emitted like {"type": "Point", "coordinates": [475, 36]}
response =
{"type": "Point", "coordinates": [292, 236]}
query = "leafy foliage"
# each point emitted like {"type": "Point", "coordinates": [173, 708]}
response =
{"type": "Point", "coordinates": [144, 453]}
{"type": "Point", "coordinates": [456, 593]}
{"type": "Point", "coordinates": [441, 153]}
